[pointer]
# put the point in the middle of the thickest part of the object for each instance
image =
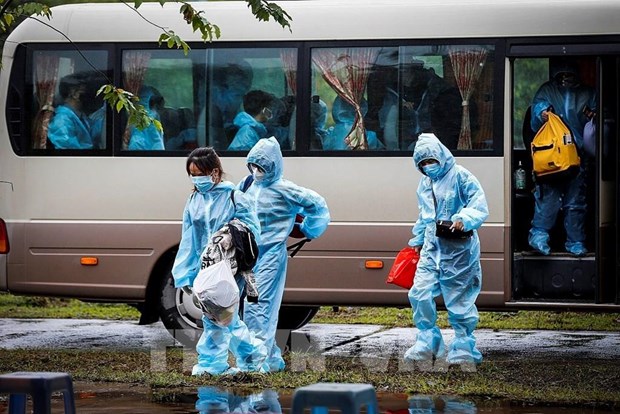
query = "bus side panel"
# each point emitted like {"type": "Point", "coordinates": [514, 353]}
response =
{"type": "Point", "coordinates": [331, 270]}
{"type": "Point", "coordinates": [126, 253]}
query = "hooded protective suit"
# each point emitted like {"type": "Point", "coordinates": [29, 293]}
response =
{"type": "Point", "coordinates": [250, 131]}
{"type": "Point", "coordinates": [149, 138]}
{"type": "Point", "coordinates": [278, 201]}
{"type": "Point", "coordinates": [69, 131]}
{"type": "Point", "coordinates": [568, 101]}
{"type": "Point", "coordinates": [204, 214]}
{"type": "Point", "coordinates": [450, 268]}
{"type": "Point", "coordinates": [344, 116]}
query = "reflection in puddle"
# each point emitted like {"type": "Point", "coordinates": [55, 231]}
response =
{"type": "Point", "coordinates": [95, 398]}
{"type": "Point", "coordinates": [212, 400]}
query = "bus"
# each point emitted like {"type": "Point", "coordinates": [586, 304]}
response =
{"type": "Point", "coordinates": [351, 85]}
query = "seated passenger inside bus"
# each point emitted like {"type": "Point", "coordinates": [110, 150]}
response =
{"type": "Point", "coordinates": [344, 117]}
{"type": "Point", "coordinates": [251, 122]}
{"type": "Point", "coordinates": [149, 138]}
{"type": "Point", "coordinates": [429, 102]}
{"type": "Point", "coordinates": [72, 127]}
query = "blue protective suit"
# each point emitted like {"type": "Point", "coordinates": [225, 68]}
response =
{"type": "Point", "coordinates": [216, 400]}
{"type": "Point", "coordinates": [568, 103]}
{"type": "Point", "coordinates": [278, 201]}
{"type": "Point", "coordinates": [204, 214]}
{"type": "Point", "coordinates": [149, 138]}
{"type": "Point", "coordinates": [425, 404]}
{"type": "Point", "coordinates": [250, 131]}
{"type": "Point", "coordinates": [67, 130]}
{"type": "Point", "coordinates": [388, 119]}
{"type": "Point", "coordinates": [450, 268]}
{"type": "Point", "coordinates": [344, 116]}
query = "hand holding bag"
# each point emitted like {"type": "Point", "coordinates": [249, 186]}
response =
{"type": "Point", "coordinates": [217, 293]}
{"type": "Point", "coordinates": [404, 267]}
{"type": "Point", "coordinates": [445, 232]}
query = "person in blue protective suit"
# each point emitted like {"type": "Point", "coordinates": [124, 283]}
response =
{"type": "Point", "coordinates": [447, 267]}
{"type": "Point", "coordinates": [213, 400]}
{"type": "Point", "coordinates": [344, 117]}
{"type": "Point", "coordinates": [278, 201]}
{"type": "Point", "coordinates": [149, 138]}
{"type": "Point", "coordinates": [567, 97]}
{"type": "Point", "coordinates": [251, 122]}
{"type": "Point", "coordinates": [70, 128]}
{"type": "Point", "coordinates": [209, 207]}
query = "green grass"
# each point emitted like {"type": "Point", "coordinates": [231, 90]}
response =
{"type": "Point", "coordinates": [12, 306]}
{"type": "Point", "coordinates": [548, 320]}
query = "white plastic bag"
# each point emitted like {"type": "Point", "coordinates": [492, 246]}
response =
{"type": "Point", "coordinates": [217, 292]}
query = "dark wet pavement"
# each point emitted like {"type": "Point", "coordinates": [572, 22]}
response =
{"type": "Point", "coordinates": [344, 340]}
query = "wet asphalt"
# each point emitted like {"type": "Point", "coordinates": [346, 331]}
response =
{"type": "Point", "coordinates": [326, 339]}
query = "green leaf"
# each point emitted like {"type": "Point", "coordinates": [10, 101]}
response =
{"type": "Point", "coordinates": [119, 106]}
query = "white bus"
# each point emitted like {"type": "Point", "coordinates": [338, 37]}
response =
{"type": "Point", "coordinates": [101, 221]}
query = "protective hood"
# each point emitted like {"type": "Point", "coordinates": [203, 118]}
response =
{"type": "Point", "coordinates": [564, 67]}
{"type": "Point", "coordinates": [267, 155]}
{"type": "Point", "coordinates": [343, 111]}
{"type": "Point", "coordinates": [427, 147]}
{"type": "Point", "coordinates": [243, 118]}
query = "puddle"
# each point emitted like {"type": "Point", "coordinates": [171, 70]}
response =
{"type": "Point", "coordinates": [94, 398]}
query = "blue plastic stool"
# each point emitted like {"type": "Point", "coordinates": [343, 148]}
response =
{"type": "Point", "coordinates": [349, 398]}
{"type": "Point", "coordinates": [40, 385]}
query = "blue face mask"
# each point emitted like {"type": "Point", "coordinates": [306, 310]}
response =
{"type": "Point", "coordinates": [203, 183]}
{"type": "Point", "coordinates": [432, 170]}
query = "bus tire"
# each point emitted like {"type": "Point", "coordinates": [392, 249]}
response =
{"type": "Point", "coordinates": [178, 313]}
{"type": "Point", "coordinates": [294, 317]}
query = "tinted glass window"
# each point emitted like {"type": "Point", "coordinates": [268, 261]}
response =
{"type": "Point", "coordinates": [170, 86]}
{"type": "Point", "coordinates": [383, 98]}
{"type": "Point", "coordinates": [66, 114]}
{"type": "Point", "coordinates": [250, 94]}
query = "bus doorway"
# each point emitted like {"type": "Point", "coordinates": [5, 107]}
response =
{"type": "Point", "coordinates": [562, 273]}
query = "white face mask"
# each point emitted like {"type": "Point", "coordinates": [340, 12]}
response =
{"type": "Point", "coordinates": [257, 173]}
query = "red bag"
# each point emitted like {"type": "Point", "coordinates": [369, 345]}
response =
{"type": "Point", "coordinates": [403, 270]}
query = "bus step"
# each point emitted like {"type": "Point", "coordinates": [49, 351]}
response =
{"type": "Point", "coordinates": [557, 276]}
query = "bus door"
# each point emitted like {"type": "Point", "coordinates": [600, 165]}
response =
{"type": "Point", "coordinates": [561, 276]}
{"type": "Point", "coordinates": [609, 179]}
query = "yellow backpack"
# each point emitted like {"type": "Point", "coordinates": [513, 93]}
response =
{"type": "Point", "coordinates": [554, 153]}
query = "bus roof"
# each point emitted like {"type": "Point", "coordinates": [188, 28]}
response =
{"type": "Point", "coordinates": [332, 20]}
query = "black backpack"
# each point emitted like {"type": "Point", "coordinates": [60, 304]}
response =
{"type": "Point", "coordinates": [246, 249]}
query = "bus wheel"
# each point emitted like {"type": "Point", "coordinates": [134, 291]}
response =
{"type": "Point", "coordinates": [180, 316]}
{"type": "Point", "coordinates": [294, 317]}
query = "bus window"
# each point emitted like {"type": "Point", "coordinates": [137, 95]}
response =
{"type": "Point", "coordinates": [266, 79]}
{"type": "Point", "coordinates": [168, 89]}
{"type": "Point", "coordinates": [66, 113]}
{"type": "Point", "coordinates": [383, 98]}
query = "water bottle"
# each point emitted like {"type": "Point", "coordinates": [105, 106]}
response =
{"type": "Point", "coordinates": [520, 182]}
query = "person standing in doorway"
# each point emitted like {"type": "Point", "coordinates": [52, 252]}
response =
{"type": "Point", "coordinates": [574, 103]}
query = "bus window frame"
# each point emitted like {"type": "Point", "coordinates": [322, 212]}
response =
{"type": "Point", "coordinates": [304, 69]}
{"type": "Point", "coordinates": [25, 72]}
